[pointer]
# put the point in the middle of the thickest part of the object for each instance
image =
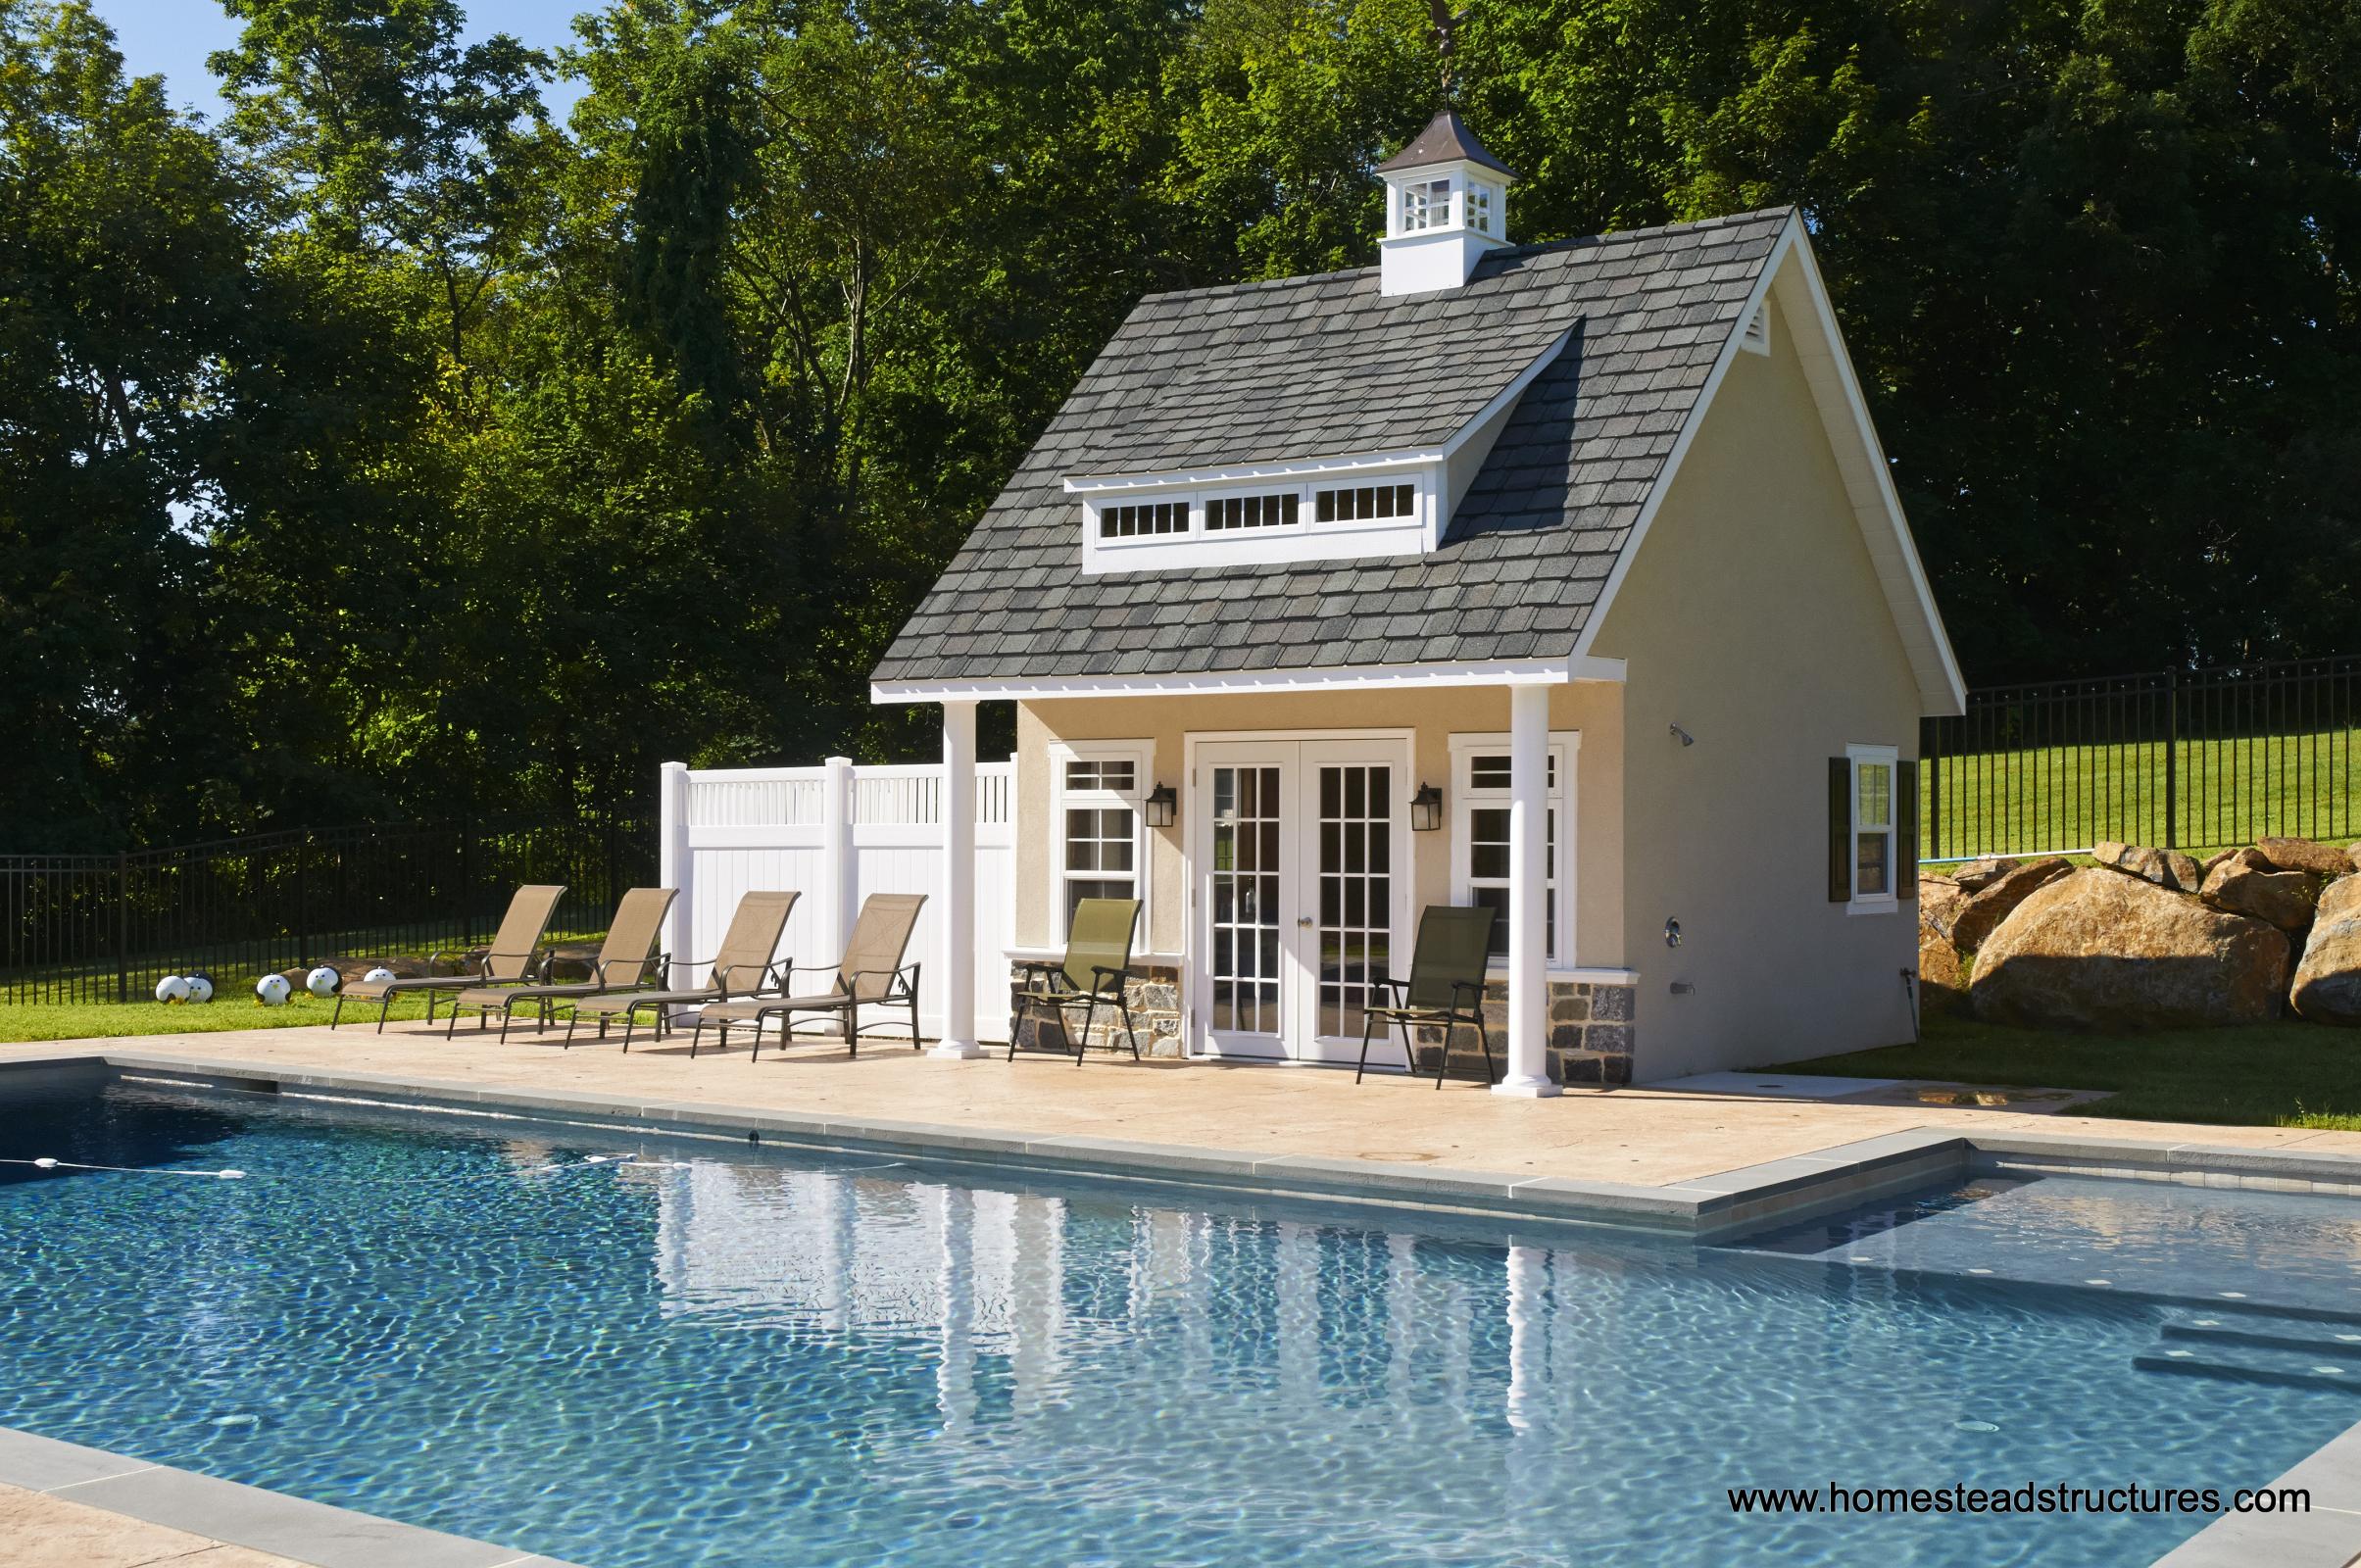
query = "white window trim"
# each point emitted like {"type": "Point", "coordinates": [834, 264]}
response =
{"type": "Point", "coordinates": [1140, 754]}
{"type": "Point", "coordinates": [1890, 901]}
{"type": "Point", "coordinates": [1306, 539]}
{"type": "Point", "coordinates": [1565, 748]}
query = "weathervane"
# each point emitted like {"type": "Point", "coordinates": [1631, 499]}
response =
{"type": "Point", "coordinates": [1447, 27]}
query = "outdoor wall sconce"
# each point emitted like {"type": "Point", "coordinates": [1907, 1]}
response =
{"type": "Point", "coordinates": [1426, 810]}
{"type": "Point", "coordinates": [1683, 736]}
{"type": "Point", "coordinates": [1160, 803]}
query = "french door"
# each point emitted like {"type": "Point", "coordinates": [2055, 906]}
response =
{"type": "Point", "coordinates": [1302, 890]}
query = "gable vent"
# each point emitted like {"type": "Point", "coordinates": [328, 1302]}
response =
{"type": "Point", "coordinates": [1757, 333]}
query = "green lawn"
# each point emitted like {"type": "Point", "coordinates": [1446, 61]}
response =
{"type": "Point", "coordinates": [2071, 797]}
{"type": "Point", "coordinates": [2287, 1074]}
{"type": "Point", "coordinates": [92, 1020]}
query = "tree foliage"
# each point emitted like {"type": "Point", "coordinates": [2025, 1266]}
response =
{"type": "Point", "coordinates": [388, 449]}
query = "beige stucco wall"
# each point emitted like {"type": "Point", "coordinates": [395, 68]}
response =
{"type": "Point", "coordinates": [1750, 617]}
{"type": "Point", "coordinates": [1594, 708]}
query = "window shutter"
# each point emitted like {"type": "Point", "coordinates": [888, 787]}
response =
{"type": "Point", "coordinates": [1839, 830]}
{"type": "Point", "coordinates": [1905, 830]}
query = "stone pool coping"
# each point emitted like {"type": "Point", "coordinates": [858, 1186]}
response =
{"type": "Point", "coordinates": [312, 1533]}
{"type": "Point", "coordinates": [1702, 1210]}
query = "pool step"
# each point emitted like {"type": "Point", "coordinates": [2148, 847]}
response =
{"type": "Point", "coordinates": [2258, 1348]}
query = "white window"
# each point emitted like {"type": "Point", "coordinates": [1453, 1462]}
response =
{"type": "Point", "coordinates": [1426, 205]}
{"type": "Point", "coordinates": [1326, 513]}
{"type": "Point", "coordinates": [1365, 501]}
{"type": "Point", "coordinates": [1479, 206]}
{"type": "Point", "coordinates": [1276, 511]}
{"type": "Point", "coordinates": [1095, 790]}
{"type": "Point", "coordinates": [1480, 849]}
{"type": "Point", "coordinates": [1873, 811]}
{"type": "Point", "coordinates": [1133, 520]}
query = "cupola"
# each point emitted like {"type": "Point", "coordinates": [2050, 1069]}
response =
{"type": "Point", "coordinates": [1447, 203]}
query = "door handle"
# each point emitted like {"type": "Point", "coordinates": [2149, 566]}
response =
{"type": "Point", "coordinates": [1304, 921]}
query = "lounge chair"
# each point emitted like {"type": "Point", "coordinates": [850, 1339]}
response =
{"type": "Point", "coordinates": [1093, 971]}
{"type": "Point", "coordinates": [627, 961]}
{"type": "Point", "coordinates": [515, 959]}
{"type": "Point", "coordinates": [742, 967]}
{"type": "Point", "coordinates": [872, 973]}
{"type": "Point", "coordinates": [1445, 986]}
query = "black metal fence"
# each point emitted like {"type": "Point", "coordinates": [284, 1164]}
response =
{"type": "Point", "coordinates": [102, 927]}
{"type": "Point", "coordinates": [2191, 759]}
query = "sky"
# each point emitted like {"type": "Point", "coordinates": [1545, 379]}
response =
{"type": "Point", "coordinates": [174, 38]}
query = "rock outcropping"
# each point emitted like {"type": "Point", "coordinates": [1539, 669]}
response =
{"type": "Point", "coordinates": [2328, 980]}
{"type": "Point", "coordinates": [2096, 948]}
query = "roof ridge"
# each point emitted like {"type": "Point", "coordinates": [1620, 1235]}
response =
{"type": "Point", "coordinates": [1536, 248]}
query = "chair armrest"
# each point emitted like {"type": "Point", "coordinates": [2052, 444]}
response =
{"type": "Point", "coordinates": [722, 976]}
{"type": "Point", "coordinates": [897, 975]}
{"type": "Point", "coordinates": [1100, 972]}
{"type": "Point", "coordinates": [532, 969]}
{"type": "Point", "coordinates": [659, 963]}
{"type": "Point", "coordinates": [1474, 987]}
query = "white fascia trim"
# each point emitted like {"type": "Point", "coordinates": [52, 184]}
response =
{"type": "Point", "coordinates": [1794, 240]}
{"type": "Point", "coordinates": [1218, 683]}
{"type": "Point", "coordinates": [1890, 500]}
{"type": "Point", "coordinates": [1314, 468]}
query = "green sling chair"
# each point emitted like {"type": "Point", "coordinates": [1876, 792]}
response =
{"type": "Point", "coordinates": [1093, 972]}
{"type": "Point", "coordinates": [1445, 986]}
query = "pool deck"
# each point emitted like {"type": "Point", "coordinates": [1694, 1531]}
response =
{"type": "Point", "coordinates": [1701, 1157]}
{"type": "Point", "coordinates": [1646, 1137]}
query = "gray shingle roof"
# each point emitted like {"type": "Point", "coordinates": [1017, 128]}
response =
{"type": "Point", "coordinates": [1322, 367]}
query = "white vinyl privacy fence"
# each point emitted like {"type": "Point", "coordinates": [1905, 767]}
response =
{"type": "Point", "coordinates": [836, 834]}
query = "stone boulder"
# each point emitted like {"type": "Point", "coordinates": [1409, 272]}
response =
{"type": "Point", "coordinates": [2097, 949]}
{"type": "Point", "coordinates": [2245, 884]}
{"type": "Point", "coordinates": [1977, 875]}
{"type": "Point", "coordinates": [1940, 901]}
{"type": "Point", "coordinates": [2328, 981]}
{"type": "Point", "coordinates": [2303, 855]}
{"type": "Point", "coordinates": [2218, 858]}
{"type": "Point", "coordinates": [2167, 869]}
{"type": "Point", "coordinates": [2356, 853]}
{"type": "Point", "coordinates": [2001, 896]}
{"type": "Point", "coordinates": [1942, 985]}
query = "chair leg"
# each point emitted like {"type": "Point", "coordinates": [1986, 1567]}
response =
{"type": "Point", "coordinates": [1368, 1019]}
{"type": "Point", "coordinates": [914, 1044]}
{"type": "Point", "coordinates": [386, 1007]}
{"type": "Point", "coordinates": [630, 1019]}
{"type": "Point", "coordinates": [1451, 1031]}
{"type": "Point", "coordinates": [1491, 1076]}
{"type": "Point", "coordinates": [450, 1024]}
{"type": "Point", "coordinates": [338, 1015]}
{"type": "Point", "coordinates": [1123, 1004]}
{"type": "Point", "coordinates": [1090, 1013]}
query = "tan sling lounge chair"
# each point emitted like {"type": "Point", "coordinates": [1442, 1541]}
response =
{"type": "Point", "coordinates": [872, 973]}
{"type": "Point", "coordinates": [627, 961]}
{"type": "Point", "coordinates": [515, 959]}
{"type": "Point", "coordinates": [741, 968]}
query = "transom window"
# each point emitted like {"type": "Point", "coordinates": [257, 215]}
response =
{"type": "Point", "coordinates": [1426, 205]}
{"type": "Point", "coordinates": [1365, 501]}
{"type": "Point", "coordinates": [1098, 817]}
{"type": "Point", "coordinates": [1147, 518]}
{"type": "Point", "coordinates": [1253, 511]}
{"type": "Point", "coordinates": [1480, 856]}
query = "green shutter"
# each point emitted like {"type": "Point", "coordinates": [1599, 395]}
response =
{"type": "Point", "coordinates": [1839, 830]}
{"type": "Point", "coordinates": [1905, 830]}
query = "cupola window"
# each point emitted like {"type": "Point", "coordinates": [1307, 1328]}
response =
{"type": "Point", "coordinates": [1426, 205]}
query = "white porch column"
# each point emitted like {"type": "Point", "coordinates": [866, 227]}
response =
{"type": "Point", "coordinates": [958, 883]}
{"type": "Point", "coordinates": [674, 864]}
{"type": "Point", "coordinates": [1528, 1073]}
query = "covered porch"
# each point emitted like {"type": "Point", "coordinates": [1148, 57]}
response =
{"type": "Point", "coordinates": [1283, 833]}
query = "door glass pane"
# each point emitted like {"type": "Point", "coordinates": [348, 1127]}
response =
{"type": "Point", "coordinates": [1355, 899]}
{"type": "Point", "coordinates": [1244, 892]}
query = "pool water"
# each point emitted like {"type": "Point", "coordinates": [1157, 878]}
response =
{"type": "Point", "coordinates": [711, 1355]}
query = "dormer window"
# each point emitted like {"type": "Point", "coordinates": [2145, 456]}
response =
{"type": "Point", "coordinates": [1325, 509]}
{"type": "Point", "coordinates": [1153, 518]}
{"type": "Point", "coordinates": [1253, 511]}
{"type": "Point", "coordinates": [1366, 501]}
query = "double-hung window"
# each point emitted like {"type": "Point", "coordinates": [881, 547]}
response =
{"type": "Point", "coordinates": [1875, 811]}
{"type": "Point", "coordinates": [1481, 856]}
{"type": "Point", "coordinates": [1096, 788]}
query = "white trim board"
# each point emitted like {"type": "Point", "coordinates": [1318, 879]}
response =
{"type": "Point", "coordinates": [1860, 461]}
{"type": "Point", "coordinates": [1245, 682]}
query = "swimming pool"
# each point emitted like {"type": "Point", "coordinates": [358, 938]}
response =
{"type": "Point", "coordinates": [713, 1355]}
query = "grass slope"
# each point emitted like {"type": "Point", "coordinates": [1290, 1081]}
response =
{"type": "Point", "coordinates": [2228, 792]}
{"type": "Point", "coordinates": [2285, 1074]}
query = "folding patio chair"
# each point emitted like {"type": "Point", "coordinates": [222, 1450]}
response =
{"type": "Point", "coordinates": [1093, 971]}
{"type": "Point", "coordinates": [1445, 986]}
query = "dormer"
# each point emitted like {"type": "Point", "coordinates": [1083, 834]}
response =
{"type": "Point", "coordinates": [1447, 203]}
